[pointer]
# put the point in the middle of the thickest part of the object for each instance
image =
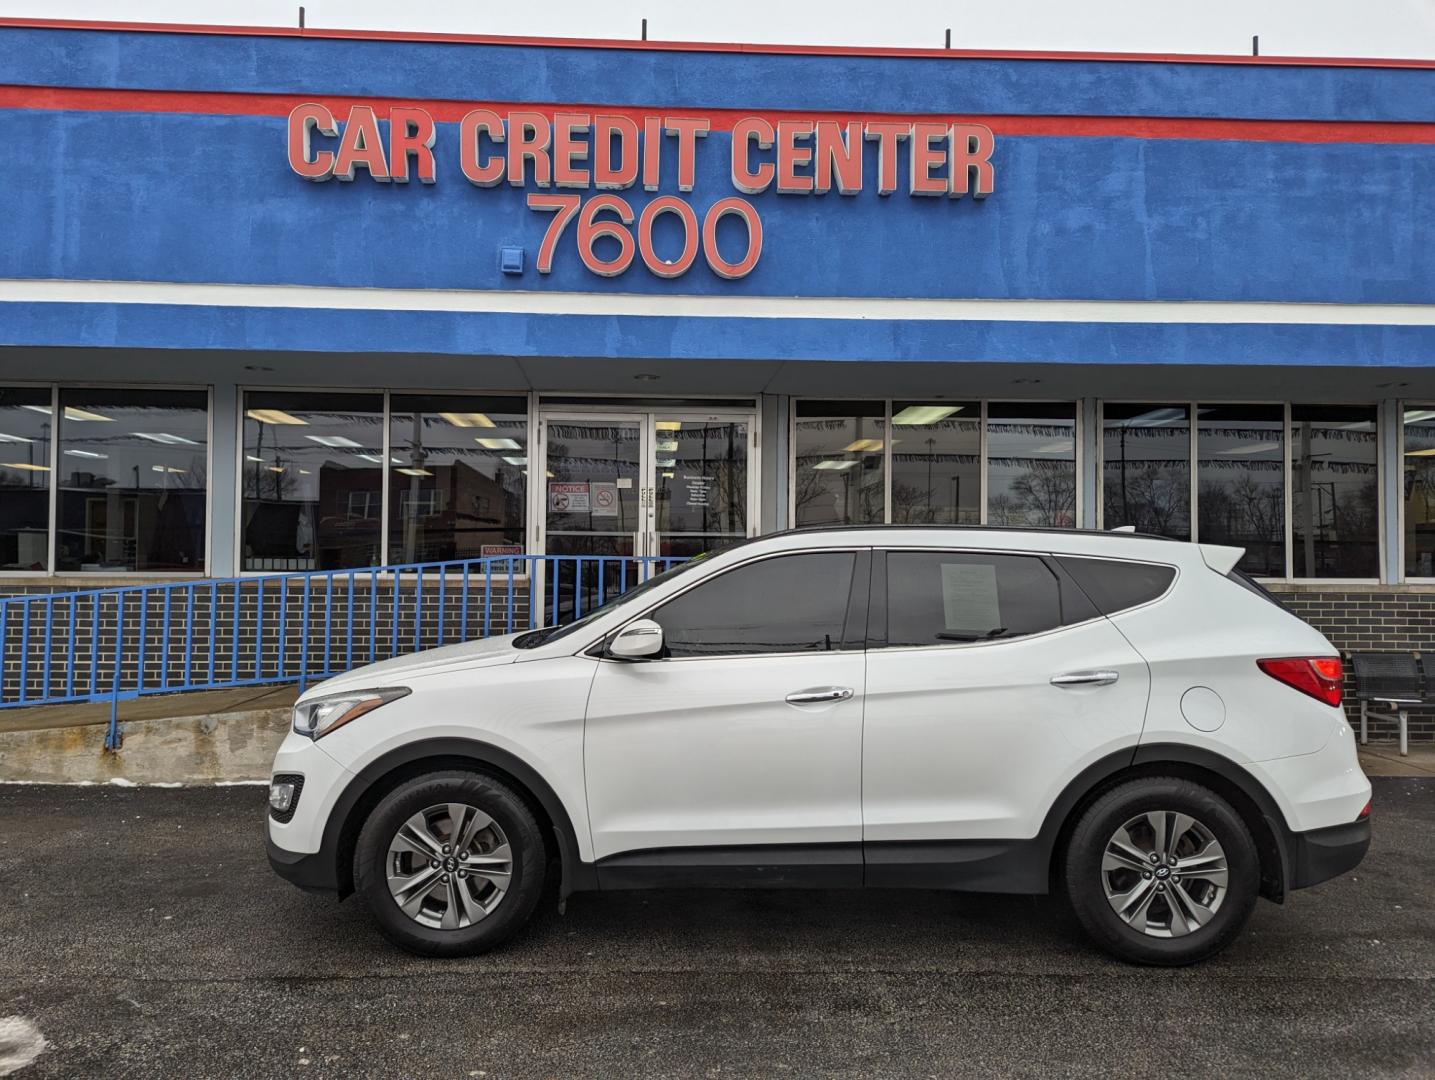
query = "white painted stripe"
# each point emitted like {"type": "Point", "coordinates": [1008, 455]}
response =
{"type": "Point", "coordinates": [731, 307]}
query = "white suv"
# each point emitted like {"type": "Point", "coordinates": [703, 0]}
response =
{"type": "Point", "coordinates": [1126, 719]}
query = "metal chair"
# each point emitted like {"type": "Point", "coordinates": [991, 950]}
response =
{"type": "Point", "coordinates": [1395, 681]}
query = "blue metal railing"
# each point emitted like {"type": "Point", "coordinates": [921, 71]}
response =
{"type": "Point", "coordinates": [115, 644]}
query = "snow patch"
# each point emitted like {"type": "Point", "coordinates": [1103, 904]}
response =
{"type": "Point", "coordinates": [20, 1044]}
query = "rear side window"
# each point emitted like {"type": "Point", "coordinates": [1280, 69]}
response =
{"type": "Point", "coordinates": [1114, 585]}
{"type": "Point", "coordinates": [793, 603]}
{"type": "Point", "coordinates": [939, 597]}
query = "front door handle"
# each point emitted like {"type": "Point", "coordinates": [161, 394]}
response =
{"type": "Point", "coordinates": [818, 694]}
{"type": "Point", "coordinates": [1085, 678]}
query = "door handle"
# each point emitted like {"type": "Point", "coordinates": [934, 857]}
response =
{"type": "Point", "coordinates": [1085, 678]}
{"type": "Point", "coordinates": [818, 694]}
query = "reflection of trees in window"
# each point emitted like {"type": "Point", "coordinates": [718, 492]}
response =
{"type": "Point", "coordinates": [1044, 493]}
{"type": "Point", "coordinates": [1334, 500]}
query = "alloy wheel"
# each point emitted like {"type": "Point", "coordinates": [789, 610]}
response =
{"type": "Point", "coordinates": [1164, 874]}
{"type": "Point", "coordinates": [449, 866]}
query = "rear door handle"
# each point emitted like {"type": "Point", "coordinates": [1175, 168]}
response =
{"type": "Point", "coordinates": [818, 694]}
{"type": "Point", "coordinates": [1085, 678]}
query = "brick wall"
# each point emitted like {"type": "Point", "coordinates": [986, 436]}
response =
{"type": "Point", "coordinates": [1366, 618]}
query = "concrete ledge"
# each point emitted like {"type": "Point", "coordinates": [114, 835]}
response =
{"type": "Point", "coordinates": [216, 748]}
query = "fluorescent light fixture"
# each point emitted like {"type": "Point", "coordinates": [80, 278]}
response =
{"type": "Point", "coordinates": [414, 472]}
{"type": "Point", "coordinates": [914, 415]}
{"type": "Point", "coordinates": [668, 425]}
{"type": "Point", "coordinates": [1254, 448]}
{"type": "Point", "coordinates": [275, 416]}
{"type": "Point", "coordinates": [251, 457]}
{"type": "Point", "coordinates": [276, 468]}
{"type": "Point", "coordinates": [834, 465]}
{"type": "Point", "coordinates": [468, 419]}
{"type": "Point", "coordinates": [71, 413]}
{"type": "Point", "coordinates": [334, 442]}
{"type": "Point", "coordinates": [165, 469]}
{"type": "Point", "coordinates": [862, 446]}
{"type": "Point", "coordinates": [667, 446]}
{"type": "Point", "coordinates": [306, 472]}
{"type": "Point", "coordinates": [1421, 453]}
{"type": "Point", "coordinates": [666, 463]}
{"type": "Point", "coordinates": [499, 444]}
{"type": "Point", "coordinates": [24, 467]}
{"type": "Point", "coordinates": [1154, 418]}
{"type": "Point", "coordinates": [164, 437]}
{"type": "Point", "coordinates": [667, 476]}
{"type": "Point", "coordinates": [512, 460]}
{"type": "Point", "coordinates": [1412, 416]}
{"type": "Point", "coordinates": [14, 438]}
{"type": "Point", "coordinates": [369, 457]}
{"type": "Point", "coordinates": [85, 453]}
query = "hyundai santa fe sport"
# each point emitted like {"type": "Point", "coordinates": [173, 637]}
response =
{"type": "Point", "coordinates": [1125, 720]}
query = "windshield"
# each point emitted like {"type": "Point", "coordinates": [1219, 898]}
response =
{"type": "Point", "coordinates": [535, 638]}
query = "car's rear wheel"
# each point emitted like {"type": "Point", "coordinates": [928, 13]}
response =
{"type": "Point", "coordinates": [1161, 871]}
{"type": "Point", "coordinates": [450, 863]}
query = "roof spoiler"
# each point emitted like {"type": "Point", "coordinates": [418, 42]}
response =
{"type": "Point", "coordinates": [1220, 558]}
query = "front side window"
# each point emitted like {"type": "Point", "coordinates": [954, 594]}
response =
{"type": "Point", "coordinates": [787, 604]}
{"type": "Point", "coordinates": [1335, 505]}
{"type": "Point", "coordinates": [946, 597]}
{"type": "Point", "coordinates": [133, 473]}
{"type": "Point", "coordinates": [27, 427]}
{"type": "Point", "coordinates": [457, 480]}
{"type": "Point", "coordinates": [312, 475]}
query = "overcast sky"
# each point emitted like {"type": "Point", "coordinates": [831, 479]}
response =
{"type": "Point", "coordinates": [1379, 28]}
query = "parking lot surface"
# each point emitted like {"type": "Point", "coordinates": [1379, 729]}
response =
{"type": "Point", "coordinates": [142, 930]}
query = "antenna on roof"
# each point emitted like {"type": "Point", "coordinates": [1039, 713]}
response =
{"type": "Point", "coordinates": [645, 29]}
{"type": "Point", "coordinates": [1255, 44]}
{"type": "Point", "coordinates": [949, 37]}
{"type": "Point", "coordinates": [301, 16]}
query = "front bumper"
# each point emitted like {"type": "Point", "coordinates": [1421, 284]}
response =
{"type": "Point", "coordinates": [310, 872]}
{"type": "Point", "coordinates": [1321, 854]}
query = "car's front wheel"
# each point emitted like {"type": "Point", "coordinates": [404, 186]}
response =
{"type": "Point", "coordinates": [1161, 870]}
{"type": "Point", "coordinates": [450, 863]}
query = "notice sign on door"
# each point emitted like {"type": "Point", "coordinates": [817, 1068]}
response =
{"type": "Point", "coordinates": [699, 489]}
{"type": "Point", "coordinates": [568, 498]}
{"type": "Point", "coordinates": [604, 498]}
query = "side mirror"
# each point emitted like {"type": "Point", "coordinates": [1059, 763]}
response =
{"type": "Point", "coordinates": [637, 641]}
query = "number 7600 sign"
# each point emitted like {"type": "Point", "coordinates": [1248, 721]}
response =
{"type": "Point", "coordinates": [639, 240]}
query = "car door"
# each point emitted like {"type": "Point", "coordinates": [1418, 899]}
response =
{"type": "Point", "coordinates": [992, 681]}
{"type": "Point", "coordinates": [745, 733]}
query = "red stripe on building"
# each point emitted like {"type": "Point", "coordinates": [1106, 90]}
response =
{"type": "Point", "coordinates": [1131, 127]}
{"type": "Point", "coordinates": [713, 46]}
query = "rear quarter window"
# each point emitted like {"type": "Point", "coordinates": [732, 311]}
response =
{"type": "Point", "coordinates": [1115, 585]}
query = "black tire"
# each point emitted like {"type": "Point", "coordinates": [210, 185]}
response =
{"type": "Point", "coordinates": [1085, 881]}
{"type": "Point", "coordinates": [519, 827]}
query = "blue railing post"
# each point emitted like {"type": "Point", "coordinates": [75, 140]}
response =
{"type": "Point", "coordinates": [112, 735]}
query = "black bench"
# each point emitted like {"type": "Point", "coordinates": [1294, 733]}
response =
{"type": "Point", "coordinates": [1394, 680]}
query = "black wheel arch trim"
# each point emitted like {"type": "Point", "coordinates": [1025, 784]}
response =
{"type": "Point", "coordinates": [341, 829]}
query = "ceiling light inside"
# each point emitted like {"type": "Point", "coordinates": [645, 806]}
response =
{"type": "Point", "coordinates": [164, 437]}
{"type": "Point", "coordinates": [834, 465]}
{"type": "Point", "coordinates": [914, 415]}
{"type": "Point", "coordinates": [862, 446]}
{"type": "Point", "coordinates": [499, 444]}
{"type": "Point", "coordinates": [335, 442]}
{"type": "Point", "coordinates": [468, 419]}
{"type": "Point", "coordinates": [275, 416]}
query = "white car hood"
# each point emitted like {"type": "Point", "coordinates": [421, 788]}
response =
{"type": "Point", "coordinates": [485, 652]}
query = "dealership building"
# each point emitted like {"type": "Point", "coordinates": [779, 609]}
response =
{"type": "Point", "coordinates": [284, 300]}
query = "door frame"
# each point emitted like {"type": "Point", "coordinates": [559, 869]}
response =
{"type": "Point", "coordinates": [647, 418]}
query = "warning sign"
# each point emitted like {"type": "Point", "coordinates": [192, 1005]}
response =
{"type": "Point", "coordinates": [604, 498]}
{"type": "Point", "coordinates": [568, 498]}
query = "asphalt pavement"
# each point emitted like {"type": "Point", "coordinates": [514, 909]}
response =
{"type": "Point", "coordinates": [144, 934]}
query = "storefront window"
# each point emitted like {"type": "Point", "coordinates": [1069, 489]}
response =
{"type": "Point", "coordinates": [1240, 494]}
{"type": "Point", "coordinates": [458, 472]}
{"type": "Point", "coordinates": [1419, 489]}
{"type": "Point", "coordinates": [1031, 464]}
{"type": "Point", "coordinates": [313, 474]}
{"type": "Point", "coordinates": [1335, 509]}
{"type": "Point", "coordinates": [839, 448]}
{"type": "Point", "coordinates": [134, 467]}
{"type": "Point", "coordinates": [1146, 468]}
{"type": "Point", "coordinates": [936, 462]}
{"type": "Point", "coordinates": [26, 427]}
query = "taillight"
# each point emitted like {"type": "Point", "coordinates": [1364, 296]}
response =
{"type": "Point", "coordinates": [1318, 676]}
{"type": "Point", "coordinates": [1364, 813]}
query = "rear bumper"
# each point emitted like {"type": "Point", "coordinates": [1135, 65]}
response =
{"type": "Point", "coordinates": [310, 872]}
{"type": "Point", "coordinates": [1321, 854]}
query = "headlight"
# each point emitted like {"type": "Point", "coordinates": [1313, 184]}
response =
{"type": "Point", "coordinates": [316, 718]}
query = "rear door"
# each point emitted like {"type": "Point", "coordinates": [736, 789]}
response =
{"type": "Point", "coordinates": [992, 681]}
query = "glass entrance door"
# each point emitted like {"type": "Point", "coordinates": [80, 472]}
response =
{"type": "Point", "coordinates": [701, 481]}
{"type": "Point", "coordinates": [595, 481]}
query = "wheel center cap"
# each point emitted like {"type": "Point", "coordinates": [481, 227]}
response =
{"type": "Point", "coordinates": [450, 864]}
{"type": "Point", "coordinates": [1163, 872]}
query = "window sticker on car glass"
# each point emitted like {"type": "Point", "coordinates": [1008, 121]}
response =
{"type": "Point", "coordinates": [969, 597]}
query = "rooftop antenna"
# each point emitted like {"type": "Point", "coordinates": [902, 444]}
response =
{"type": "Point", "coordinates": [949, 37]}
{"type": "Point", "coordinates": [301, 16]}
{"type": "Point", "coordinates": [1255, 44]}
{"type": "Point", "coordinates": [645, 29]}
